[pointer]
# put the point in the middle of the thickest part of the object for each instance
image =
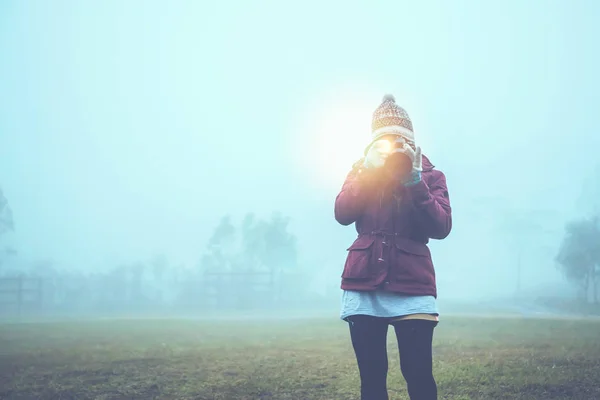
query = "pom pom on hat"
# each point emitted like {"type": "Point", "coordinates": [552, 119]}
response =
{"type": "Point", "coordinates": [389, 97]}
{"type": "Point", "coordinates": [390, 118]}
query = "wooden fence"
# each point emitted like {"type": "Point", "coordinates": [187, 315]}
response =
{"type": "Point", "coordinates": [21, 293]}
{"type": "Point", "coordinates": [241, 289]}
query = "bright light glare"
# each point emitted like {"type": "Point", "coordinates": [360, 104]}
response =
{"type": "Point", "coordinates": [336, 136]}
{"type": "Point", "coordinates": [384, 146]}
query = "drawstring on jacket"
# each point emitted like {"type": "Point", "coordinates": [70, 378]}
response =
{"type": "Point", "coordinates": [385, 242]}
{"type": "Point", "coordinates": [383, 233]}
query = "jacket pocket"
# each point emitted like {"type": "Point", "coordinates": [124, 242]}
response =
{"type": "Point", "coordinates": [359, 258]}
{"type": "Point", "coordinates": [412, 263]}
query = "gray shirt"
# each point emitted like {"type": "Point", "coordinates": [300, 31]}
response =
{"type": "Point", "coordinates": [385, 304]}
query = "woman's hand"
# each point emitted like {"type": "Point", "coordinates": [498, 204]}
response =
{"type": "Point", "coordinates": [377, 154]}
{"type": "Point", "coordinates": [416, 158]}
{"type": "Point", "coordinates": [414, 155]}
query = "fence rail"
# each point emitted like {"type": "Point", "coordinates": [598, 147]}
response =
{"type": "Point", "coordinates": [210, 290]}
{"type": "Point", "coordinates": [21, 292]}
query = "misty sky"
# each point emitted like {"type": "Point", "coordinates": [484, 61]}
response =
{"type": "Point", "coordinates": [128, 128]}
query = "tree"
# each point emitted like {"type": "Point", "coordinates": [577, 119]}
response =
{"type": "Point", "coordinates": [526, 233]}
{"type": "Point", "coordinates": [579, 255]}
{"type": "Point", "coordinates": [523, 231]}
{"type": "Point", "coordinates": [223, 233]}
{"type": "Point", "coordinates": [6, 225]}
{"type": "Point", "coordinates": [279, 245]}
{"type": "Point", "coordinates": [267, 243]}
{"type": "Point", "coordinates": [252, 241]}
{"type": "Point", "coordinates": [250, 260]}
{"type": "Point", "coordinates": [159, 265]}
{"type": "Point", "coordinates": [221, 244]}
{"type": "Point", "coordinates": [6, 217]}
{"type": "Point", "coordinates": [261, 244]}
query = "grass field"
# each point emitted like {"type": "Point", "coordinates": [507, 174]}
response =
{"type": "Point", "coordinates": [475, 358]}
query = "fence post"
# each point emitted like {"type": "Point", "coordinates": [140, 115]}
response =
{"type": "Point", "coordinates": [272, 290]}
{"type": "Point", "coordinates": [40, 293]}
{"type": "Point", "coordinates": [19, 294]}
{"type": "Point", "coordinates": [278, 287]}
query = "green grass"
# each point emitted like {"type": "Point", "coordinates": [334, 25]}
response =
{"type": "Point", "coordinates": [475, 358]}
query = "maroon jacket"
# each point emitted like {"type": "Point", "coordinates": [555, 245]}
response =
{"type": "Point", "coordinates": [394, 225]}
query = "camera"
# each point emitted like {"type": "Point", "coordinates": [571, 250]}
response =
{"type": "Point", "coordinates": [398, 162]}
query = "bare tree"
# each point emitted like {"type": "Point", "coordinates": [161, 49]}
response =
{"type": "Point", "coordinates": [524, 231]}
{"type": "Point", "coordinates": [6, 225]}
{"type": "Point", "coordinates": [579, 256]}
{"type": "Point", "coordinates": [6, 217]}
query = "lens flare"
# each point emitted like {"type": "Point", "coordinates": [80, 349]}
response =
{"type": "Point", "coordinates": [384, 146]}
{"type": "Point", "coordinates": [387, 146]}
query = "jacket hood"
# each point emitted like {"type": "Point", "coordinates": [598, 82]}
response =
{"type": "Point", "coordinates": [427, 165]}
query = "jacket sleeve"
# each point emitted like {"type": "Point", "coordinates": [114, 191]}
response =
{"type": "Point", "coordinates": [350, 202]}
{"type": "Point", "coordinates": [433, 206]}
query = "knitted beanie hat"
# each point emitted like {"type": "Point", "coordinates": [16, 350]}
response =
{"type": "Point", "coordinates": [390, 118]}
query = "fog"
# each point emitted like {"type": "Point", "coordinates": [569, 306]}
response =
{"type": "Point", "coordinates": [129, 129]}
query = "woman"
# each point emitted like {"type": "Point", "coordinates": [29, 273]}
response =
{"type": "Point", "coordinates": [397, 201]}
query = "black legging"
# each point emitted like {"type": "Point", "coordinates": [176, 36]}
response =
{"type": "Point", "coordinates": [369, 338]}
